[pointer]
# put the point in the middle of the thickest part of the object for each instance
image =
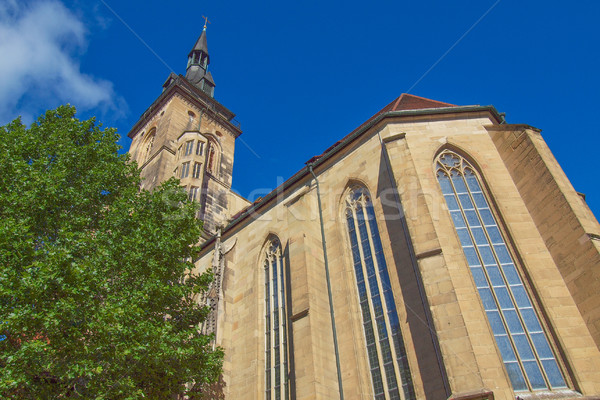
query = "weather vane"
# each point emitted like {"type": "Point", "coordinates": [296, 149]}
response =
{"type": "Point", "coordinates": [206, 21]}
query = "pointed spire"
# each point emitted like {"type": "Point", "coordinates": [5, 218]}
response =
{"type": "Point", "coordinates": [201, 43]}
{"type": "Point", "coordinates": [198, 60]}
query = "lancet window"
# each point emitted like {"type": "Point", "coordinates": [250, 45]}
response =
{"type": "Point", "coordinates": [527, 355]}
{"type": "Point", "coordinates": [148, 145]}
{"type": "Point", "coordinates": [276, 337]}
{"type": "Point", "coordinates": [390, 372]}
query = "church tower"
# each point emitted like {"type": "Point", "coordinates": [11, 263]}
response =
{"type": "Point", "coordinates": [187, 134]}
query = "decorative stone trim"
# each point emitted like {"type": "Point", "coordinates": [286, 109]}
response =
{"type": "Point", "coordinates": [482, 394]}
{"type": "Point", "coordinates": [594, 236]}
{"type": "Point", "coordinates": [214, 178]}
{"type": "Point", "coordinates": [296, 196]}
{"type": "Point", "coordinates": [205, 111]}
{"type": "Point", "coordinates": [564, 394]}
{"type": "Point", "coordinates": [394, 137]}
{"type": "Point", "coordinates": [299, 315]}
{"type": "Point", "coordinates": [429, 253]}
{"type": "Point", "coordinates": [156, 153]}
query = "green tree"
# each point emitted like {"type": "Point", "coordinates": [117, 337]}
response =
{"type": "Point", "coordinates": [97, 300]}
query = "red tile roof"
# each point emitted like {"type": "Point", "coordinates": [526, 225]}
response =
{"type": "Point", "coordinates": [403, 103]}
{"type": "Point", "coordinates": [411, 102]}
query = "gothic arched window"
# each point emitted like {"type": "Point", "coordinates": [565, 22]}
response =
{"type": "Point", "coordinates": [386, 353]}
{"type": "Point", "coordinates": [147, 147]}
{"type": "Point", "coordinates": [523, 344]}
{"type": "Point", "coordinates": [276, 338]}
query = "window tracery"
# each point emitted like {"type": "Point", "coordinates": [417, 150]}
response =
{"type": "Point", "coordinates": [390, 372]}
{"type": "Point", "coordinates": [276, 337]}
{"type": "Point", "coordinates": [523, 344]}
{"type": "Point", "coordinates": [148, 145]}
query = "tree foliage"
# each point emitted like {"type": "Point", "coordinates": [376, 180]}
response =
{"type": "Point", "coordinates": [96, 295]}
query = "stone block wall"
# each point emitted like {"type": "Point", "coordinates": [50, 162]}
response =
{"type": "Point", "coordinates": [450, 346]}
{"type": "Point", "coordinates": [568, 227]}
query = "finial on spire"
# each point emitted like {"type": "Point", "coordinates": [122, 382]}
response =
{"type": "Point", "coordinates": [197, 67]}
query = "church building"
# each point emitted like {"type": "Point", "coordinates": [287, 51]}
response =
{"type": "Point", "coordinates": [434, 252]}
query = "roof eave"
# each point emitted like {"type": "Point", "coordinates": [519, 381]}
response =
{"type": "Point", "coordinates": [346, 141]}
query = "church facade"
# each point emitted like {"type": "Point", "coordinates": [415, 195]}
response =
{"type": "Point", "coordinates": [434, 252]}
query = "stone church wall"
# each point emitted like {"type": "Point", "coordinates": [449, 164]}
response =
{"type": "Point", "coordinates": [566, 224]}
{"type": "Point", "coordinates": [450, 346]}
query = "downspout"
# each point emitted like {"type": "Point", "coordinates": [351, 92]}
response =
{"type": "Point", "coordinates": [335, 343]}
{"type": "Point", "coordinates": [413, 260]}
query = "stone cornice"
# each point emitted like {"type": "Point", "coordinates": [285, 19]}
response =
{"type": "Point", "coordinates": [186, 91]}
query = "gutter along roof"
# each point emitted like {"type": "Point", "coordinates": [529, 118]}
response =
{"type": "Point", "coordinates": [404, 106]}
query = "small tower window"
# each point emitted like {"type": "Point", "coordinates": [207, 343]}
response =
{"type": "Point", "coordinates": [189, 147]}
{"type": "Point", "coordinates": [197, 170]}
{"type": "Point", "coordinates": [193, 193]}
{"type": "Point", "coordinates": [185, 170]}
{"type": "Point", "coordinates": [199, 148]}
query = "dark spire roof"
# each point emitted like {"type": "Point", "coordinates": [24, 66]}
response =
{"type": "Point", "coordinates": [208, 77]}
{"type": "Point", "coordinates": [197, 70]}
{"type": "Point", "coordinates": [201, 43]}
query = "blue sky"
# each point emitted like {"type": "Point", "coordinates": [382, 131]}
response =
{"type": "Point", "coordinates": [301, 75]}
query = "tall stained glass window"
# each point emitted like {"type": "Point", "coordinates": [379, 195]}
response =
{"type": "Point", "coordinates": [390, 373]}
{"type": "Point", "coordinates": [276, 354]}
{"type": "Point", "coordinates": [523, 344]}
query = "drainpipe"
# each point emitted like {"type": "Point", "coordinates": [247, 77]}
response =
{"type": "Point", "coordinates": [413, 260]}
{"type": "Point", "coordinates": [335, 343]}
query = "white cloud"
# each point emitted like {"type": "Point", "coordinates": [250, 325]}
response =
{"type": "Point", "coordinates": [39, 69]}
